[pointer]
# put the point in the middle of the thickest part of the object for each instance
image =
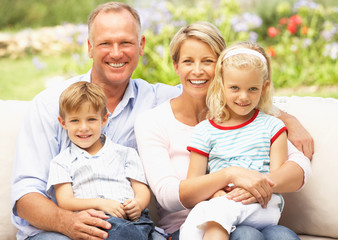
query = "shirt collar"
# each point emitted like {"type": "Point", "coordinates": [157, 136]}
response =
{"type": "Point", "coordinates": [77, 152]}
{"type": "Point", "coordinates": [128, 96]}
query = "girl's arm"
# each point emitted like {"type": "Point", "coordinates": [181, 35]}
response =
{"type": "Point", "coordinates": [278, 152]}
{"type": "Point", "coordinates": [134, 207]}
{"type": "Point", "coordinates": [65, 199]}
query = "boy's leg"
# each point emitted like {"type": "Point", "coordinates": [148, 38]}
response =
{"type": "Point", "coordinates": [48, 236]}
{"type": "Point", "coordinates": [247, 233]}
{"type": "Point", "coordinates": [279, 232]}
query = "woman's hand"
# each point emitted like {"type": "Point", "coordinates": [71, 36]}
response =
{"type": "Point", "coordinates": [259, 185]}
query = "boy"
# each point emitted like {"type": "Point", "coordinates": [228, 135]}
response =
{"type": "Point", "coordinates": [95, 173]}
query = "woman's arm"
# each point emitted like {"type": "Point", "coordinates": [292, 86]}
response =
{"type": "Point", "coordinates": [298, 134]}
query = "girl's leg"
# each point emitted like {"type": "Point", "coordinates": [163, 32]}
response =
{"type": "Point", "coordinates": [279, 232]}
{"type": "Point", "coordinates": [247, 233]}
{"type": "Point", "coordinates": [214, 231]}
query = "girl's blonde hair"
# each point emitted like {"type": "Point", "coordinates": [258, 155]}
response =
{"type": "Point", "coordinates": [81, 92]}
{"type": "Point", "coordinates": [216, 97]}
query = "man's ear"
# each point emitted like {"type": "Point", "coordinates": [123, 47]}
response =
{"type": "Point", "coordinates": [90, 47]}
{"type": "Point", "coordinates": [142, 45]}
{"type": "Point", "coordinates": [104, 119]}
{"type": "Point", "coordinates": [62, 122]}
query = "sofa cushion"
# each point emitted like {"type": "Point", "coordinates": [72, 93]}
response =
{"type": "Point", "coordinates": [11, 117]}
{"type": "Point", "coordinates": [314, 209]}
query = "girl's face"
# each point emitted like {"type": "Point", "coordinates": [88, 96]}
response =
{"type": "Point", "coordinates": [195, 67]}
{"type": "Point", "coordinates": [243, 90]}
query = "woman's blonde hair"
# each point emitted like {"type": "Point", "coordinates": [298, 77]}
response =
{"type": "Point", "coordinates": [204, 31]}
{"type": "Point", "coordinates": [81, 92]}
{"type": "Point", "coordinates": [216, 97]}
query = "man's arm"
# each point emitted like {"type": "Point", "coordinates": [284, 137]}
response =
{"type": "Point", "coordinates": [297, 134]}
{"type": "Point", "coordinates": [46, 215]}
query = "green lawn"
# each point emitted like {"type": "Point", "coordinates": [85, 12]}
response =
{"type": "Point", "coordinates": [22, 80]}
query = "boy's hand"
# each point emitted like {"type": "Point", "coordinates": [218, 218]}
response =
{"type": "Point", "coordinates": [132, 209]}
{"type": "Point", "coordinates": [112, 207]}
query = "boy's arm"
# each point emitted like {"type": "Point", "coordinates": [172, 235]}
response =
{"type": "Point", "coordinates": [65, 199]}
{"type": "Point", "coordinates": [134, 207]}
{"type": "Point", "coordinates": [298, 135]}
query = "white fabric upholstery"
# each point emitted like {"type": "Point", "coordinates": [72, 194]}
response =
{"type": "Point", "coordinates": [313, 211]}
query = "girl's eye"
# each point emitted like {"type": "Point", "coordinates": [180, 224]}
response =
{"type": "Point", "coordinates": [253, 89]}
{"type": "Point", "coordinates": [234, 88]}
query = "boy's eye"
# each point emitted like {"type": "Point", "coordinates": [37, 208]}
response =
{"type": "Point", "coordinates": [253, 89]}
{"type": "Point", "coordinates": [92, 119]}
{"type": "Point", "coordinates": [74, 120]}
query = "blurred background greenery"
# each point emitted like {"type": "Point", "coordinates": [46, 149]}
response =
{"type": "Point", "coordinates": [43, 42]}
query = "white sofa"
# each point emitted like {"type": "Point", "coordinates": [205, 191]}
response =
{"type": "Point", "coordinates": [311, 212]}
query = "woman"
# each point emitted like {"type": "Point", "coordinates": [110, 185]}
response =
{"type": "Point", "coordinates": [163, 134]}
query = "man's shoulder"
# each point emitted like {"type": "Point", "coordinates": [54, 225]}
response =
{"type": "Point", "coordinates": [159, 90]}
{"type": "Point", "coordinates": [55, 90]}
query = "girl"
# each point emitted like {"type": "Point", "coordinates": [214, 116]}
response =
{"type": "Point", "coordinates": [239, 132]}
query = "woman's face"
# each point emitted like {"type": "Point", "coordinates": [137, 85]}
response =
{"type": "Point", "coordinates": [195, 67]}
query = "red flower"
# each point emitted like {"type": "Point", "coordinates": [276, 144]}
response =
{"type": "Point", "coordinates": [292, 28]}
{"type": "Point", "coordinates": [295, 19]}
{"type": "Point", "coordinates": [272, 32]}
{"type": "Point", "coordinates": [271, 51]}
{"type": "Point", "coordinates": [283, 21]}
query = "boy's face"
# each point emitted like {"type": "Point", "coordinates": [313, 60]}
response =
{"type": "Point", "coordinates": [84, 127]}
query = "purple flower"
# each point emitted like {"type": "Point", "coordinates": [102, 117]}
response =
{"type": "Point", "coordinates": [38, 64]}
{"type": "Point", "coordinates": [245, 22]}
{"type": "Point", "coordinates": [304, 3]}
{"type": "Point", "coordinates": [331, 50]}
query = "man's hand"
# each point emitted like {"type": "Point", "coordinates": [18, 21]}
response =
{"type": "Point", "coordinates": [133, 209]}
{"type": "Point", "coordinates": [298, 135]}
{"type": "Point", "coordinates": [85, 225]}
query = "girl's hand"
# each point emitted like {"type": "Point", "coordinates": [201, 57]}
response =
{"type": "Point", "coordinates": [219, 193]}
{"type": "Point", "coordinates": [133, 209]}
{"type": "Point", "coordinates": [258, 184]}
{"type": "Point", "coordinates": [241, 195]}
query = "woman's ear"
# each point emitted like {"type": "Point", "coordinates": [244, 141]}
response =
{"type": "Point", "coordinates": [62, 122]}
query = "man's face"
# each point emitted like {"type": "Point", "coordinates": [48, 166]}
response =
{"type": "Point", "coordinates": [115, 47]}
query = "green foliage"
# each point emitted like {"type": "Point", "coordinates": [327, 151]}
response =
{"type": "Point", "coordinates": [17, 14]}
{"type": "Point", "coordinates": [302, 55]}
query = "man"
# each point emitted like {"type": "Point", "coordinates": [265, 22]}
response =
{"type": "Point", "coordinates": [115, 44]}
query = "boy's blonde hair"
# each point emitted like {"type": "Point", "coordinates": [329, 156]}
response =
{"type": "Point", "coordinates": [203, 31]}
{"type": "Point", "coordinates": [216, 97]}
{"type": "Point", "coordinates": [78, 93]}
